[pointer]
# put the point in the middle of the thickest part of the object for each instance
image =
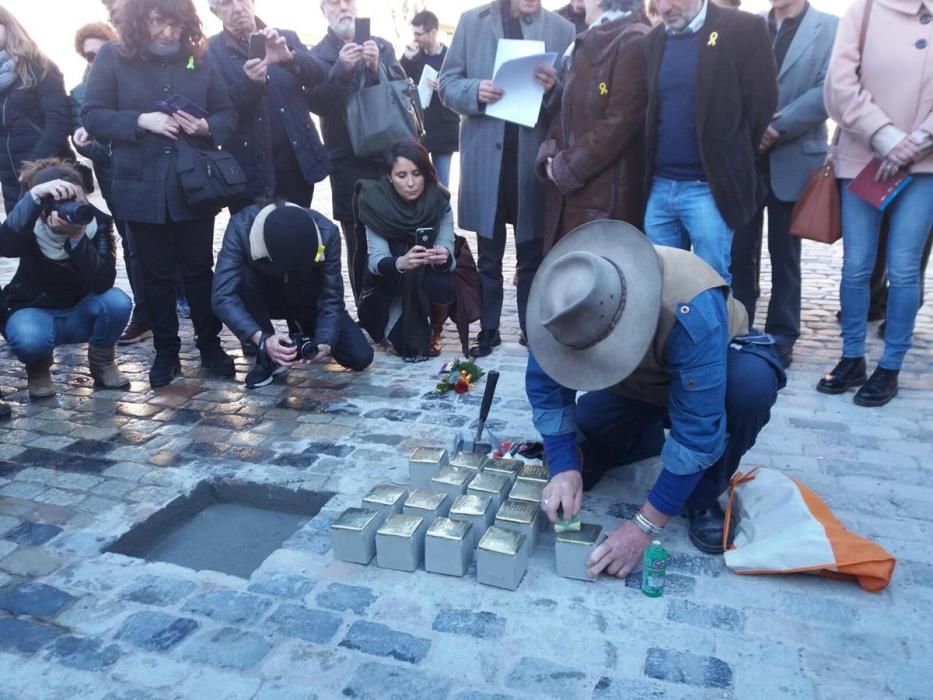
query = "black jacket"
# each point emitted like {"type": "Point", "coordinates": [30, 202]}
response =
{"type": "Point", "coordinates": [53, 284]}
{"type": "Point", "coordinates": [736, 97]}
{"type": "Point", "coordinates": [145, 184]}
{"type": "Point", "coordinates": [441, 125]}
{"type": "Point", "coordinates": [34, 123]}
{"type": "Point", "coordinates": [322, 287]}
{"type": "Point", "coordinates": [284, 97]}
{"type": "Point", "coordinates": [329, 101]}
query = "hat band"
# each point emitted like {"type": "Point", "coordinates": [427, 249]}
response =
{"type": "Point", "coordinates": [611, 326]}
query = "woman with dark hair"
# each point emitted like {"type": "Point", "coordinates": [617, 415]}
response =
{"type": "Point", "coordinates": [410, 242]}
{"type": "Point", "coordinates": [161, 56]}
{"type": "Point", "coordinates": [594, 156]}
{"type": "Point", "coordinates": [36, 111]}
{"type": "Point", "coordinates": [63, 291]}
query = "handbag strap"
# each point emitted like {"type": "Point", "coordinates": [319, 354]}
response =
{"type": "Point", "coordinates": [863, 32]}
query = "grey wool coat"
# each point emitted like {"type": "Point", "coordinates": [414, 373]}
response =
{"type": "Point", "coordinates": [470, 59]}
{"type": "Point", "coordinates": [802, 121]}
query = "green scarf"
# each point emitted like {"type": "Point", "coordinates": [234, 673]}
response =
{"type": "Point", "coordinates": [380, 208]}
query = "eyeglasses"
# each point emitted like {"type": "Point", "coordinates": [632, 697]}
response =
{"type": "Point", "coordinates": [159, 23]}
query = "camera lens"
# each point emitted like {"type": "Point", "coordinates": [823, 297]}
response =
{"type": "Point", "coordinates": [75, 212]}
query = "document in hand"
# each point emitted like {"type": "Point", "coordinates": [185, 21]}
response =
{"type": "Point", "coordinates": [514, 73]}
{"type": "Point", "coordinates": [878, 194]}
{"type": "Point", "coordinates": [425, 91]}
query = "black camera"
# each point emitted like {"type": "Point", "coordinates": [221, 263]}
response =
{"type": "Point", "coordinates": [75, 213]}
{"type": "Point", "coordinates": [307, 347]}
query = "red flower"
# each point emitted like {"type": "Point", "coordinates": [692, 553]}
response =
{"type": "Point", "coordinates": [461, 387]}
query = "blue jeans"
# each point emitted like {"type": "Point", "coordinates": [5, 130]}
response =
{"type": "Point", "coordinates": [911, 218]}
{"type": "Point", "coordinates": [98, 320]}
{"type": "Point", "coordinates": [684, 213]}
{"type": "Point", "coordinates": [442, 166]}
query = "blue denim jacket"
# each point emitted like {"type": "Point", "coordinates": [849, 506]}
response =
{"type": "Point", "coordinates": [696, 354]}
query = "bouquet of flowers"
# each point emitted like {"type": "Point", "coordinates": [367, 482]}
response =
{"type": "Point", "coordinates": [459, 376]}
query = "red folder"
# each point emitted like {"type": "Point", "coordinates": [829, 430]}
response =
{"type": "Point", "coordinates": [878, 194]}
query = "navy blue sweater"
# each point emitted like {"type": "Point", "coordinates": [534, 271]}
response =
{"type": "Point", "coordinates": [677, 156]}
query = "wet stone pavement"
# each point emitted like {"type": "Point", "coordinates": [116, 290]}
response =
{"type": "Point", "coordinates": [79, 471]}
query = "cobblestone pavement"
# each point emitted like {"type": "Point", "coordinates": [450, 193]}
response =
{"type": "Point", "coordinates": [80, 470]}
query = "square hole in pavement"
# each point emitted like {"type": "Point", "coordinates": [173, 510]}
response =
{"type": "Point", "coordinates": [222, 526]}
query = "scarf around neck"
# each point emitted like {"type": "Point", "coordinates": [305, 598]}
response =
{"type": "Point", "coordinates": [7, 70]}
{"type": "Point", "coordinates": [52, 244]}
{"type": "Point", "coordinates": [382, 210]}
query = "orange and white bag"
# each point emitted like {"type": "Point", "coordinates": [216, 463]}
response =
{"type": "Point", "coordinates": [785, 528]}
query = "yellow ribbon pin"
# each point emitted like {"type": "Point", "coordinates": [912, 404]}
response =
{"type": "Point", "coordinates": [320, 253]}
{"type": "Point", "coordinates": [190, 65]}
{"type": "Point", "coordinates": [713, 38]}
{"type": "Point", "coordinates": [603, 89]}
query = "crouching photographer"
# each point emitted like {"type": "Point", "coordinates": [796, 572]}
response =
{"type": "Point", "coordinates": [62, 292]}
{"type": "Point", "coordinates": [282, 262]}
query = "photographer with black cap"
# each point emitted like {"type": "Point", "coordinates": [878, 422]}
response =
{"type": "Point", "coordinates": [62, 292]}
{"type": "Point", "coordinates": [282, 261]}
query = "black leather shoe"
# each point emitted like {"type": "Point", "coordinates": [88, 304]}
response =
{"type": "Point", "coordinates": [165, 368]}
{"type": "Point", "coordinates": [5, 411]}
{"type": "Point", "coordinates": [216, 361]}
{"type": "Point", "coordinates": [785, 354]}
{"type": "Point", "coordinates": [849, 372]}
{"type": "Point", "coordinates": [880, 388]}
{"type": "Point", "coordinates": [523, 339]}
{"type": "Point", "coordinates": [706, 528]}
{"type": "Point", "coordinates": [485, 342]}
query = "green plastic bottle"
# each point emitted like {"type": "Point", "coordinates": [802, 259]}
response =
{"type": "Point", "coordinates": [655, 566]}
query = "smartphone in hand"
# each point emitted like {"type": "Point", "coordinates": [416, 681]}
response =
{"type": "Point", "coordinates": [257, 46]}
{"type": "Point", "coordinates": [363, 32]}
{"type": "Point", "coordinates": [426, 237]}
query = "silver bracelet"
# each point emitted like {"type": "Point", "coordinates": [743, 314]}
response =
{"type": "Point", "coordinates": [646, 526]}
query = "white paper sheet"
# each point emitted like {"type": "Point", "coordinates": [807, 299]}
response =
{"type": "Point", "coordinates": [507, 49]}
{"type": "Point", "coordinates": [425, 91]}
{"type": "Point", "coordinates": [521, 103]}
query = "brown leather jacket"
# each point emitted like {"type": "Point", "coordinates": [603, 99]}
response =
{"type": "Point", "coordinates": [597, 138]}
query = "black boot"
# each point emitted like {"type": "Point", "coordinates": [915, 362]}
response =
{"type": "Point", "coordinates": [165, 368]}
{"type": "Point", "coordinates": [880, 388]}
{"type": "Point", "coordinates": [485, 342]}
{"type": "Point", "coordinates": [216, 361]}
{"type": "Point", "coordinates": [5, 411]}
{"type": "Point", "coordinates": [849, 372]}
{"type": "Point", "coordinates": [706, 528]}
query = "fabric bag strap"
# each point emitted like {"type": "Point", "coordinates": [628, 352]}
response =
{"type": "Point", "coordinates": [863, 32]}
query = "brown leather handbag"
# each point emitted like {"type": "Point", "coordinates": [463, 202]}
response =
{"type": "Point", "coordinates": [816, 214]}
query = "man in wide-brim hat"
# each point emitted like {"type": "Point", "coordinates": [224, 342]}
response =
{"type": "Point", "coordinates": [654, 337]}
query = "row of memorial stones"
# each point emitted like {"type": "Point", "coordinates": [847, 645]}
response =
{"type": "Point", "coordinates": [457, 508]}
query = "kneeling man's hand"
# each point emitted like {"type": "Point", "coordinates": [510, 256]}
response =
{"type": "Point", "coordinates": [281, 350]}
{"type": "Point", "coordinates": [620, 553]}
{"type": "Point", "coordinates": [564, 491]}
{"type": "Point", "coordinates": [323, 352]}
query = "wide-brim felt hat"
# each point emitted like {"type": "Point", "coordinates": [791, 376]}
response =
{"type": "Point", "coordinates": [594, 305]}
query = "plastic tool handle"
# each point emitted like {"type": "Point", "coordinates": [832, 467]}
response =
{"type": "Point", "coordinates": [492, 379]}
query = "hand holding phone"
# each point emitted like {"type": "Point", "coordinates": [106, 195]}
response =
{"type": "Point", "coordinates": [426, 237]}
{"type": "Point", "coordinates": [257, 46]}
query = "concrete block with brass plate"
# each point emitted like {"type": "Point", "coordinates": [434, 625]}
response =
{"type": "Point", "coordinates": [572, 549]}
{"type": "Point", "coordinates": [473, 461]}
{"type": "Point", "coordinates": [505, 466]}
{"type": "Point", "coordinates": [427, 504]}
{"type": "Point", "coordinates": [486, 483]}
{"type": "Point", "coordinates": [386, 498]}
{"type": "Point", "coordinates": [501, 558]}
{"type": "Point", "coordinates": [521, 517]}
{"type": "Point", "coordinates": [424, 463]}
{"type": "Point", "coordinates": [400, 542]}
{"type": "Point", "coordinates": [476, 510]}
{"type": "Point", "coordinates": [448, 547]}
{"type": "Point", "coordinates": [452, 480]}
{"type": "Point", "coordinates": [353, 535]}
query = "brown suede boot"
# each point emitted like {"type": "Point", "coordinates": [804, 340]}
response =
{"type": "Point", "coordinates": [104, 370]}
{"type": "Point", "coordinates": [39, 378]}
{"type": "Point", "coordinates": [439, 314]}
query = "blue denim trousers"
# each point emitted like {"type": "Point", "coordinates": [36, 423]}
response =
{"type": "Point", "coordinates": [441, 163]}
{"type": "Point", "coordinates": [98, 320]}
{"type": "Point", "coordinates": [682, 214]}
{"type": "Point", "coordinates": [911, 218]}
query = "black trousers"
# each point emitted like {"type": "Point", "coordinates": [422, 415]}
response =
{"type": "Point", "coordinates": [186, 246]}
{"type": "Point", "coordinates": [783, 320]}
{"type": "Point", "coordinates": [491, 251]}
{"type": "Point", "coordinates": [266, 300]}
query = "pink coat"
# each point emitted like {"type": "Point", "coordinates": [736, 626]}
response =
{"type": "Point", "coordinates": [896, 86]}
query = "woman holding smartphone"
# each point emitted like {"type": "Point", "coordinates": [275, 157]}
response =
{"type": "Point", "coordinates": [410, 241]}
{"type": "Point", "coordinates": [135, 99]}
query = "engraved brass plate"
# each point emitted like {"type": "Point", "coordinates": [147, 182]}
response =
{"type": "Point", "coordinates": [519, 512]}
{"type": "Point", "coordinates": [487, 482]}
{"type": "Point", "coordinates": [469, 460]}
{"type": "Point", "coordinates": [425, 500]}
{"type": "Point", "coordinates": [453, 476]}
{"type": "Point", "coordinates": [588, 535]}
{"type": "Point", "coordinates": [504, 466]}
{"type": "Point", "coordinates": [429, 455]}
{"type": "Point", "coordinates": [384, 494]}
{"type": "Point", "coordinates": [355, 519]}
{"type": "Point", "coordinates": [400, 526]}
{"type": "Point", "coordinates": [534, 472]}
{"type": "Point", "coordinates": [471, 504]}
{"type": "Point", "coordinates": [448, 529]}
{"type": "Point", "coordinates": [527, 491]}
{"type": "Point", "coordinates": [501, 541]}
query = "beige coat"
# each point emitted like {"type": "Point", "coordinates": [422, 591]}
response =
{"type": "Point", "coordinates": [896, 86]}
